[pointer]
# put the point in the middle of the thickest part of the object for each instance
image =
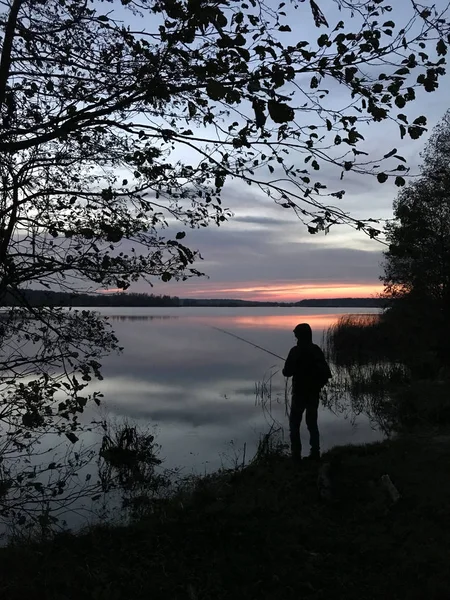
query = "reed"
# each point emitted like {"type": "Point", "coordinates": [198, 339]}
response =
{"type": "Point", "coordinates": [359, 340]}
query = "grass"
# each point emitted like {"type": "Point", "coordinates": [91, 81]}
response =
{"type": "Point", "coordinates": [400, 387]}
{"type": "Point", "coordinates": [396, 337]}
{"type": "Point", "coordinates": [264, 532]}
{"type": "Point", "coordinates": [359, 340]}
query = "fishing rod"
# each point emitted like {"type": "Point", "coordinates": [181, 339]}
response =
{"type": "Point", "coordinates": [248, 342]}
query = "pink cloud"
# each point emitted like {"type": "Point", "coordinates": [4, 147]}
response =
{"type": "Point", "coordinates": [288, 291]}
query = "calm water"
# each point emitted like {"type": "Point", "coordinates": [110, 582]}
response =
{"type": "Point", "coordinates": [197, 385]}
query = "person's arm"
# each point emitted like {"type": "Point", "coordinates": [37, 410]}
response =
{"type": "Point", "coordinates": [289, 365]}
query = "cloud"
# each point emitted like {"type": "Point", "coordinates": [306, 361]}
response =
{"type": "Point", "coordinates": [267, 246]}
{"type": "Point", "coordinates": [261, 221]}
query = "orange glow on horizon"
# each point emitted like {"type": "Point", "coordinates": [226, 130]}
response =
{"type": "Point", "coordinates": [287, 322]}
{"type": "Point", "coordinates": [111, 291]}
{"type": "Point", "coordinates": [292, 292]}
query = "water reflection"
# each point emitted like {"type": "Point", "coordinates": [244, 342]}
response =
{"type": "Point", "coordinates": [141, 317]}
{"type": "Point", "coordinates": [317, 321]}
{"type": "Point", "coordinates": [198, 384]}
{"type": "Point", "coordinates": [282, 322]}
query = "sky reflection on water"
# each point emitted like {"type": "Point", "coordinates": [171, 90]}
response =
{"type": "Point", "coordinates": [198, 384]}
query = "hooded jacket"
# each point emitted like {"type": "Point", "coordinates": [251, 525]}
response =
{"type": "Point", "coordinates": [306, 362]}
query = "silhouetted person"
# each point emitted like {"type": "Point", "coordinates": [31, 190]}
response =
{"type": "Point", "coordinates": [307, 366]}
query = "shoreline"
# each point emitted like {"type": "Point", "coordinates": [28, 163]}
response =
{"type": "Point", "coordinates": [266, 531]}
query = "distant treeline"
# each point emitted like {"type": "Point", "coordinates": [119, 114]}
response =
{"type": "Point", "coordinates": [51, 298]}
{"type": "Point", "coordinates": [344, 302]}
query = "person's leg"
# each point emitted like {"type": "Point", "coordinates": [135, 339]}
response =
{"type": "Point", "coordinates": [312, 407]}
{"type": "Point", "coordinates": [295, 419]}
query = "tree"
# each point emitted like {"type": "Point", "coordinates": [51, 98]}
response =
{"type": "Point", "coordinates": [113, 131]}
{"type": "Point", "coordinates": [418, 258]}
{"type": "Point", "coordinates": [417, 263]}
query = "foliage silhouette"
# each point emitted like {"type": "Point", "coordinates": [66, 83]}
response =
{"type": "Point", "coordinates": [417, 262]}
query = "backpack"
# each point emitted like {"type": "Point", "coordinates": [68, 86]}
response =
{"type": "Point", "coordinates": [320, 371]}
{"type": "Point", "coordinates": [323, 372]}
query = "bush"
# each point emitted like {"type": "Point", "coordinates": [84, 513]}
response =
{"type": "Point", "coordinates": [423, 403]}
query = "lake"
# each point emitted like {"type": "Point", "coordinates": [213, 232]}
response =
{"type": "Point", "coordinates": [197, 385]}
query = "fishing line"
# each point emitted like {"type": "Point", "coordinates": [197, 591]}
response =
{"type": "Point", "coordinates": [248, 342]}
{"type": "Point", "coordinates": [238, 337]}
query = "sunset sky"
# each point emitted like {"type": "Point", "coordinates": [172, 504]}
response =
{"type": "Point", "coordinates": [265, 253]}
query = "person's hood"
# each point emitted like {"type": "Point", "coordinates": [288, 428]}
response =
{"type": "Point", "coordinates": [303, 333]}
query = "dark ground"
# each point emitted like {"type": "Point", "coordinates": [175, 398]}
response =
{"type": "Point", "coordinates": [265, 533]}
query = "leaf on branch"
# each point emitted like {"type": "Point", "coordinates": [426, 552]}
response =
{"type": "Point", "coordinates": [244, 53]}
{"type": "Point", "coordinates": [280, 112]}
{"type": "Point", "coordinates": [180, 235]}
{"type": "Point", "coordinates": [215, 90]}
{"type": "Point", "coordinates": [192, 109]}
{"type": "Point", "coordinates": [71, 437]}
{"type": "Point", "coordinates": [221, 19]}
{"type": "Point", "coordinates": [400, 181]}
{"type": "Point", "coordinates": [391, 153]}
{"type": "Point", "coordinates": [420, 121]}
{"type": "Point", "coordinates": [441, 48]}
{"type": "Point", "coordinates": [258, 107]}
{"type": "Point", "coordinates": [382, 177]}
{"type": "Point", "coordinates": [415, 132]}
{"type": "Point", "coordinates": [319, 17]}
